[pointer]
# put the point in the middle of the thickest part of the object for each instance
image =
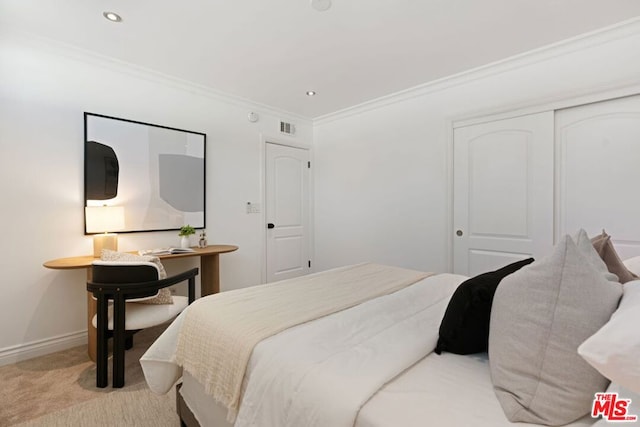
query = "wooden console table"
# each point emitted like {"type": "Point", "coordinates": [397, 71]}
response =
{"type": "Point", "coordinates": [209, 278]}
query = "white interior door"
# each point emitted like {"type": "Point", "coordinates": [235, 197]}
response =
{"type": "Point", "coordinates": [598, 173]}
{"type": "Point", "coordinates": [287, 211]}
{"type": "Point", "coordinates": [503, 192]}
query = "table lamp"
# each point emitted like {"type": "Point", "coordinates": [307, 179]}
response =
{"type": "Point", "coordinates": [104, 220]}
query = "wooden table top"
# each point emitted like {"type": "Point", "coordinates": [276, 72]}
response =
{"type": "Point", "coordinates": [86, 260]}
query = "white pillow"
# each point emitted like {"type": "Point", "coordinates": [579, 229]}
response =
{"type": "Point", "coordinates": [615, 349]}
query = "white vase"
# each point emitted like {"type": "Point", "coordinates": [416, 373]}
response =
{"type": "Point", "coordinates": [184, 242]}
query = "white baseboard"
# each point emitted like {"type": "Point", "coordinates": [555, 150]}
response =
{"type": "Point", "coordinates": [33, 349]}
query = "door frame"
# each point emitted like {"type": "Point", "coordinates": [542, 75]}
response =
{"type": "Point", "coordinates": [511, 111]}
{"type": "Point", "coordinates": [271, 139]}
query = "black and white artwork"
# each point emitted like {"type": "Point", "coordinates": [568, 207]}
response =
{"type": "Point", "coordinates": [156, 173]}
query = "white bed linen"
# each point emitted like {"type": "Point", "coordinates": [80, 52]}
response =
{"type": "Point", "coordinates": [204, 408]}
{"type": "Point", "coordinates": [218, 336]}
{"type": "Point", "coordinates": [441, 390]}
{"type": "Point", "coordinates": [320, 373]}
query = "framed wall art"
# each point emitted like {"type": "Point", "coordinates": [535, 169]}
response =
{"type": "Point", "coordinates": [156, 173]}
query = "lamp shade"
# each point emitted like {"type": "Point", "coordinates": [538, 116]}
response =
{"type": "Point", "coordinates": [102, 219]}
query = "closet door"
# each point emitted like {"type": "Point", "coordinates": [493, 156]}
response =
{"type": "Point", "coordinates": [599, 171]}
{"type": "Point", "coordinates": [503, 192]}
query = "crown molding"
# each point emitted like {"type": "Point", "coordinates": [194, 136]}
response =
{"type": "Point", "coordinates": [56, 47]}
{"type": "Point", "coordinates": [615, 90]}
{"type": "Point", "coordinates": [584, 41]}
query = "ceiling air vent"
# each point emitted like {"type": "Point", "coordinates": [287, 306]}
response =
{"type": "Point", "coordinates": [287, 128]}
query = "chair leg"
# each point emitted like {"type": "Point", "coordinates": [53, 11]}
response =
{"type": "Point", "coordinates": [102, 349]}
{"type": "Point", "coordinates": [192, 289]}
{"type": "Point", "coordinates": [128, 341]}
{"type": "Point", "coordinates": [118, 341]}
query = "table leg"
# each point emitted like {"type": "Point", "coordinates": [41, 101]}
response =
{"type": "Point", "coordinates": [209, 274]}
{"type": "Point", "coordinates": [92, 335]}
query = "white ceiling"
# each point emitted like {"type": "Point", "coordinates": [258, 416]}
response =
{"type": "Point", "coordinates": [273, 51]}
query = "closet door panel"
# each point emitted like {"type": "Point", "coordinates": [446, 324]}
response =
{"type": "Point", "coordinates": [599, 171]}
{"type": "Point", "coordinates": [503, 192]}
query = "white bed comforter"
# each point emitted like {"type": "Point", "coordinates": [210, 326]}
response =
{"type": "Point", "coordinates": [214, 339]}
{"type": "Point", "coordinates": [321, 373]}
{"type": "Point", "coordinates": [219, 332]}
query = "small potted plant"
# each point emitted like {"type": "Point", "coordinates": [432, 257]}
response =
{"type": "Point", "coordinates": [185, 232]}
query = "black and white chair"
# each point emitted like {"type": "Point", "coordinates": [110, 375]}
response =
{"type": "Point", "coordinates": [124, 283]}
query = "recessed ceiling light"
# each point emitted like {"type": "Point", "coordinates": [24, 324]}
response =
{"type": "Point", "coordinates": [321, 5]}
{"type": "Point", "coordinates": [113, 17]}
{"type": "Point", "coordinates": [311, 93]}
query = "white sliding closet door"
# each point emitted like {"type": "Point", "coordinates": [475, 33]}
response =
{"type": "Point", "coordinates": [598, 152]}
{"type": "Point", "coordinates": [503, 192]}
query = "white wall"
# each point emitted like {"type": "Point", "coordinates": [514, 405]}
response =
{"type": "Point", "coordinates": [382, 169]}
{"type": "Point", "coordinates": [44, 90]}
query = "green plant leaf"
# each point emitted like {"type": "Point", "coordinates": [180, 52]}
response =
{"type": "Point", "coordinates": [186, 230]}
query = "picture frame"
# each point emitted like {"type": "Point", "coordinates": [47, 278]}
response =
{"type": "Point", "coordinates": [156, 173]}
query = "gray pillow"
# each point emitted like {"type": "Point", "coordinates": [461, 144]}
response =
{"type": "Point", "coordinates": [540, 315]}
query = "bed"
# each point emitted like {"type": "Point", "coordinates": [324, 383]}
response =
{"type": "Point", "coordinates": [343, 368]}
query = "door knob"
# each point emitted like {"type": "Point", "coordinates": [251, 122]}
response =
{"type": "Point", "coordinates": [459, 233]}
{"type": "Point", "coordinates": [270, 226]}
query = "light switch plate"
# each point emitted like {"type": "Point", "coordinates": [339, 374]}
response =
{"type": "Point", "coordinates": [253, 208]}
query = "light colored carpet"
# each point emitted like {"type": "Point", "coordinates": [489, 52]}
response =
{"type": "Point", "coordinates": [136, 406]}
{"type": "Point", "coordinates": [59, 390]}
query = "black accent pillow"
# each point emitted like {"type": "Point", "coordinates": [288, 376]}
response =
{"type": "Point", "coordinates": [465, 326]}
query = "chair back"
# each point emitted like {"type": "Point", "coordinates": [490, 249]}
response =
{"type": "Point", "coordinates": [113, 277]}
{"type": "Point", "coordinates": [110, 272]}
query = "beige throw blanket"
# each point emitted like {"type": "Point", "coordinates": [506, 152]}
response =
{"type": "Point", "coordinates": [219, 332]}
